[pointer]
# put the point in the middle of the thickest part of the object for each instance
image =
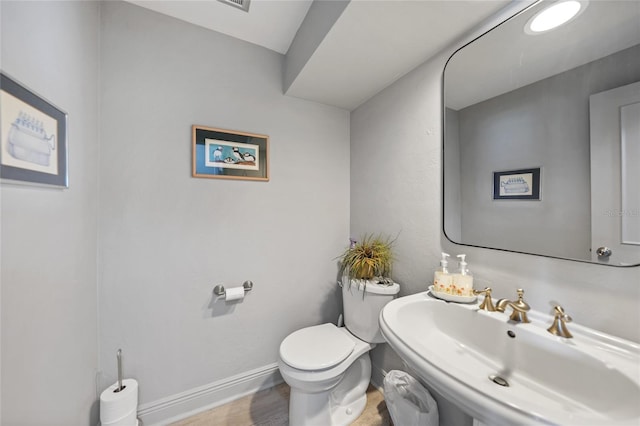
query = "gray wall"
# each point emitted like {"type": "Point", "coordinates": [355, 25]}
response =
{"type": "Point", "coordinates": [49, 236]}
{"type": "Point", "coordinates": [406, 118]}
{"type": "Point", "coordinates": [452, 178]}
{"type": "Point", "coordinates": [401, 128]}
{"type": "Point", "coordinates": [560, 223]}
{"type": "Point", "coordinates": [166, 238]}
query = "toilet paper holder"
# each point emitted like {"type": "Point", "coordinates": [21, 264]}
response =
{"type": "Point", "coordinates": [219, 289]}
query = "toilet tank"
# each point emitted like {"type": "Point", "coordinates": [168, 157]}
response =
{"type": "Point", "coordinates": [361, 313]}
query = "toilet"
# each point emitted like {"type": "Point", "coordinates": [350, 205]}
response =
{"type": "Point", "coordinates": [328, 367]}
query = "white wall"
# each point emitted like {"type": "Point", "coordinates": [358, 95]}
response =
{"type": "Point", "coordinates": [49, 237]}
{"type": "Point", "coordinates": [401, 128]}
{"type": "Point", "coordinates": [166, 238]}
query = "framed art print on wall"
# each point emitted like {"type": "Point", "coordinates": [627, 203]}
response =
{"type": "Point", "coordinates": [229, 154]}
{"type": "Point", "coordinates": [33, 141]}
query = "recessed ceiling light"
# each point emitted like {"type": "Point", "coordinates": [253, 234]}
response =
{"type": "Point", "coordinates": [555, 15]}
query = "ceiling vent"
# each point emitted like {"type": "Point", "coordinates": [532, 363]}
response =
{"type": "Point", "coordinates": [240, 4]}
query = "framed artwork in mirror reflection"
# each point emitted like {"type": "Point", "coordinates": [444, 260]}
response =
{"type": "Point", "coordinates": [523, 184]}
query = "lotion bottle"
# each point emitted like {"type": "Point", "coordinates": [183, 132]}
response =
{"type": "Point", "coordinates": [462, 284]}
{"type": "Point", "coordinates": [442, 279]}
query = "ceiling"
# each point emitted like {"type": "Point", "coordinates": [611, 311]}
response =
{"type": "Point", "coordinates": [269, 23]}
{"type": "Point", "coordinates": [508, 58]}
{"type": "Point", "coordinates": [370, 45]}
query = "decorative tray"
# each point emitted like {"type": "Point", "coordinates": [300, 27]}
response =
{"type": "Point", "coordinates": [452, 297]}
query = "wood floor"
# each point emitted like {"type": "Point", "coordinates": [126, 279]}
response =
{"type": "Point", "coordinates": [271, 408]}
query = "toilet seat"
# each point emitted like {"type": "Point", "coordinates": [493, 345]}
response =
{"type": "Point", "coordinates": [316, 348]}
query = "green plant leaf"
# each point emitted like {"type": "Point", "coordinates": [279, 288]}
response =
{"type": "Point", "coordinates": [371, 257]}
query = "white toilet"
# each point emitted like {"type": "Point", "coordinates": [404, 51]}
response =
{"type": "Point", "coordinates": [327, 367]}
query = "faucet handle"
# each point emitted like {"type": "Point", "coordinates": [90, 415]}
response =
{"type": "Point", "coordinates": [487, 303]}
{"type": "Point", "coordinates": [560, 320]}
{"type": "Point", "coordinates": [559, 311]}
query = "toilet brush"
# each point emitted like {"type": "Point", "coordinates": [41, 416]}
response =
{"type": "Point", "coordinates": [119, 358]}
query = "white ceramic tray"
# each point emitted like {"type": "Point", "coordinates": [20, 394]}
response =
{"type": "Point", "coordinates": [452, 297]}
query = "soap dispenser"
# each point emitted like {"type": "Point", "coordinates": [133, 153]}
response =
{"type": "Point", "coordinates": [462, 284]}
{"type": "Point", "coordinates": [442, 278]}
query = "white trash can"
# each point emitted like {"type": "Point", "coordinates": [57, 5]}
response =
{"type": "Point", "coordinates": [408, 402]}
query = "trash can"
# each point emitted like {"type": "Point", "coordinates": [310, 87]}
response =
{"type": "Point", "coordinates": [408, 402]}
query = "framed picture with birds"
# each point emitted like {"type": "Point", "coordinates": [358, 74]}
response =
{"type": "Point", "coordinates": [229, 154]}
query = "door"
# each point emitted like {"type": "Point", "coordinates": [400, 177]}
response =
{"type": "Point", "coordinates": [615, 174]}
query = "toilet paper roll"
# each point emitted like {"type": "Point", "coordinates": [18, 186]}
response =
{"type": "Point", "coordinates": [234, 293]}
{"type": "Point", "coordinates": [119, 408]}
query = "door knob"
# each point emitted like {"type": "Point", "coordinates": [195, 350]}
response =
{"type": "Point", "coordinates": [603, 252]}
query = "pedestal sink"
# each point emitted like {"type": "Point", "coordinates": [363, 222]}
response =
{"type": "Point", "coordinates": [505, 373]}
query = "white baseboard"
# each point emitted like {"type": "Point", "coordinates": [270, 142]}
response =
{"type": "Point", "coordinates": [193, 401]}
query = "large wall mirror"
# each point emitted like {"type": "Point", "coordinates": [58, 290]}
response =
{"type": "Point", "coordinates": [542, 136]}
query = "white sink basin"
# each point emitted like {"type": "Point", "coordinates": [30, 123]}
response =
{"type": "Point", "coordinates": [591, 379]}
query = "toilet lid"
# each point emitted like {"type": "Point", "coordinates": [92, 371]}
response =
{"type": "Point", "coordinates": [316, 348]}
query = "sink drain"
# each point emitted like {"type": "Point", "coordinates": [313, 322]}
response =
{"type": "Point", "coordinates": [498, 380]}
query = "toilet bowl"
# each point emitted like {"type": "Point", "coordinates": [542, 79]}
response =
{"type": "Point", "coordinates": [331, 383]}
{"type": "Point", "coordinates": [328, 367]}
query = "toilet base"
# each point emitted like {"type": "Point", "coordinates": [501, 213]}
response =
{"type": "Point", "coordinates": [314, 409]}
{"type": "Point", "coordinates": [347, 415]}
{"type": "Point", "coordinates": [337, 406]}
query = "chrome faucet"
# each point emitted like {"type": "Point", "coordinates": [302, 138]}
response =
{"type": "Point", "coordinates": [559, 326]}
{"type": "Point", "coordinates": [520, 307]}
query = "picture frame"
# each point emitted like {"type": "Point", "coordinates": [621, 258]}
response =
{"type": "Point", "coordinates": [523, 184]}
{"type": "Point", "coordinates": [33, 137]}
{"type": "Point", "coordinates": [229, 154]}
